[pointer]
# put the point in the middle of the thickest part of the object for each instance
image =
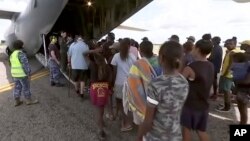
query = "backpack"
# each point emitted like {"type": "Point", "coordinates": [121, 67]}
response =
{"type": "Point", "coordinates": [240, 70]}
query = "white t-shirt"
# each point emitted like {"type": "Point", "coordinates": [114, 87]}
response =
{"type": "Point", "coordinates": [123, 67]}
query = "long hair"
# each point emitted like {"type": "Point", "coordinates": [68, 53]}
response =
{"type": "Point", "coordinates": [124, 48]}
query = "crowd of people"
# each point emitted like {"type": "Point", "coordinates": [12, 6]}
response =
{"type": "Point", "coordinates": [165, 95]}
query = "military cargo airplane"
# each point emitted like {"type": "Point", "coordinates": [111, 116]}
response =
{"type": "Point", "coordinates": [91, 18]}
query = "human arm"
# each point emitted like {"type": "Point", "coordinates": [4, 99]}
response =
{"type": "Point", "coordinates": [147, 123]}
{"type": "Point", "coordinates": [69, 56]}
{"type": "Point", "coordinates": [152, 102]}
{"type": "Point", "coordinates": [97, 50]}
{"type": "Point", "coordinates": [188, 73]}
{"type": "Point", "coordinates": [25, 63]}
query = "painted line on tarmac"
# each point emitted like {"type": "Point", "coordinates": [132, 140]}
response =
{"type": "Point", "coordinates": [35, 75]}
{"type": "Point", "coordinates": [32, 78]}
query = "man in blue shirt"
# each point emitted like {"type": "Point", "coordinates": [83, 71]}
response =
{"type": "Point", "coordinates": [78, 63]}
{"type": "Point", "coordinates": [216, 59]}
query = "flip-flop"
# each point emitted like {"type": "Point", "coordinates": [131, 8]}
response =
{"type": "Point", "coordinates": [125, 129]}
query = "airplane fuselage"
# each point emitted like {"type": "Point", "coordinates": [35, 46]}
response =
{"type": "Point", "coordinates": [38, 18]}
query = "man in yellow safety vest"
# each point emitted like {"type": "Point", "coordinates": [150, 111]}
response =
{"type": "Point", "coordinates": [20, 71]}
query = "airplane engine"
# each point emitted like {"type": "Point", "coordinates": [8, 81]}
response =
{"type": "Point", "coordinates": [38, 18]}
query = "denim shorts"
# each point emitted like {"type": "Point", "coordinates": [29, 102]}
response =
{"type": "Point", "coordinates": [225, 84]}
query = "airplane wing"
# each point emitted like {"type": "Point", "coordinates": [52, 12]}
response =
{"type": "Point", "coordinates": [130, 28]}
{"type": "Point", "coordinates": [7, 14]}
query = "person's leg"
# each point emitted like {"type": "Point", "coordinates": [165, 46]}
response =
{"type": "Point", "coordinates": [17, 92]}
{"type": "Point", "coordinates": [126, 119]}
{"type": "Point", "coordinates": [75, 77]}
{"type": "Point", "coordinates": [203, 136]}
{"type": "Point", "coordinates": [76, 85]}
{"type": "Point", "coordinates": [214, 96]}
{"type": "Point", "coordinates": [242, 109]}
{"type": "Point", "coordinates": [52, 83]}
{"type": "Point", "coordinates": [186, 134]}
{"type": "Point", "coordinates": [63, 62]}
{"type": "Point", "coordinates": [57, 75]}
{"type": "Point", "coordinates": [227, 100]}
{"type": "Point", "coordinates": [118, 107]}
{"type": "Point", "coordinates": [82, 88]}
{"type": "Point", "coordinates": [100, 123]}
{"type": "Point", "coordinates": [226, 85]}
{"type": "Point", "coordinates": [110, 114]}
{"type": "Point", "coordinates": [83, 78]}
{"type": "Point", "coordinates": [26, 91]}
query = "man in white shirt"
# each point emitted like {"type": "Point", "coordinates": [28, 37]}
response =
{"type": "Point", "coordinates": [78, 63]}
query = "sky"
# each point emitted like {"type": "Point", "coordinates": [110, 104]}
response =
{"type": "Point", "coordinates": [162, 18]}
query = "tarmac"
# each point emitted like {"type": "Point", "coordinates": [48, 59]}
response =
{"type": "Point", "coordinates": [62, 116]}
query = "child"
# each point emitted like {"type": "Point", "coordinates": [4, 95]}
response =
{"type": "Point", "coordinates": [122, 62]}
{"type": "Point", "coordinates": [99, 89]}
{"type": "Point", "coordinates": [165, 98]}
{"type": "Point", "coordinates": [199, 74]}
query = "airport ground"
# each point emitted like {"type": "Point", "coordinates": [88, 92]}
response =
{"type": "Point", "coordinates": [63, 117]}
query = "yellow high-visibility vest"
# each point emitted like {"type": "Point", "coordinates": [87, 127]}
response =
{"type": "Point", "coordinates": [16, 66]}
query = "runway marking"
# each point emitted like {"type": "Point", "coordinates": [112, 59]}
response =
{"type": "Point", "coordinates": [33, 77]}
{"type": "Point", "coordinates": [37, 74]}
{"type": "Point", "coordinates": [220, 117]}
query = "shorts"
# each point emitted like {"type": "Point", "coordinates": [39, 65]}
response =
{"type": "Point", "coordinates": [194, 120]}
{"type": "Point", "coordinates": [225, 84]}
{"type": "Point", "coordinates": [243, 95]}
{"type": "Point", "coordinates": [99, 93]}
{"type": "Point", "coordinates": [79, 75]}
{"type": "Point", "coordinates": [118, 91]}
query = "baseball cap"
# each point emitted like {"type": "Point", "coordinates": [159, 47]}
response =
{"type": "Point", "coordinates": [246, 42]}
{"type": "Point", "coordinates": [191, 38]}
{"type": "Point", "coordinates": [174, 38]}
